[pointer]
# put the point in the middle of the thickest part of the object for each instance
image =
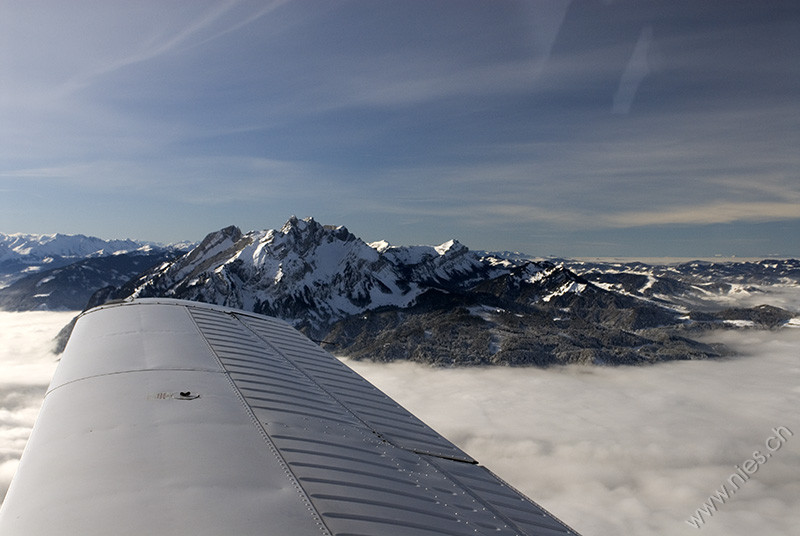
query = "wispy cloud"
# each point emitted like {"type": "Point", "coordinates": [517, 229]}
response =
{"type": "Point", "coordinates": [636, 70]}
{"type": "Point", "coordinates": [209, 24]}
{"type": "Point", "coordinates": [708, 214]}
{"type": "Point", "coordinates": [149, 50]}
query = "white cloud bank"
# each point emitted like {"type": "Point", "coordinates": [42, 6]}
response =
{"type": "Point", "coordinates": [630, 450]}
{"type": "Point", "coordinates": [26, 366]}
{"type": "Point", "coordinates": [608, 450]}
{"type": "Point", "coordinates": [627, 450]}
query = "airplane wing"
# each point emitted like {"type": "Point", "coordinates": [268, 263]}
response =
{"type": "Point", "coordinates": [173, 417]}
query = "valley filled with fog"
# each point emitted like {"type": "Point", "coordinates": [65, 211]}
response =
{"type": "Point", "coordinates": [608, 450]}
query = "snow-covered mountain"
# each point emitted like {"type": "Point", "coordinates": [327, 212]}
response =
{"type": "Point", "coordinates": [438, 304]}
{"type": "Point", "coordinates": [313, 275]}
{"type": "Point", "coordinates": [62, 272]}
{"type": "Point", "coordinates": [441, 304]}
{"type": "Point", "coordinates": [60, 245]}
{"type": "Point", "coordinates": [23, 254]}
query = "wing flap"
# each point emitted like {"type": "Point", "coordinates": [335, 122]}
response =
{"type": "Point", "coordinates": [371, 406]}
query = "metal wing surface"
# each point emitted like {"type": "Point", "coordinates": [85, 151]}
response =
{"type": "Point", "coordinates": [172, 417]}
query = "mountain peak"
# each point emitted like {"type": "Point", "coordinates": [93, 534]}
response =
{"type": "Point", "coordinates": [294, 224]}
{"type": "Point", "coordinates": [227, 234]}
{"type": "Point", "coordinates": [290, 224]}
{"type": "Point", "coordinates": [451, 247]}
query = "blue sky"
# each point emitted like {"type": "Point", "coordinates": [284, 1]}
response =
{"type": "Point", "coordinates": [570, 128]}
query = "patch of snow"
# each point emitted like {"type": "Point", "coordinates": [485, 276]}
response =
{"type": "Point", "coordinates": [650, 282]}
{"type": "Point", "coordinates": [484, 311]}
{"type": "Point", "coordinates": [609, 287]}
{"type": "Point", "coordinates": [741, 289]}
{"type": "Point", "coordinates": [409, 254]}
{"type": "Point", "coordinates": [740, 323]}
{"type": "Point", "coordinates": [572, 286]}
{"type": "Point", "coordinates": [536, 277]}
{"type": "Point", "coordinates": [441, 249]}
{"type": "Point", "coordinates": [496, 262]}
{"type": "Point", "coordinates": [380, 246]}
{"type": "Point", "coordinates": [44, 280]}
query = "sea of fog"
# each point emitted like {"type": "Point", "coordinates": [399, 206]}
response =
{"type": "Point", "coordinates": [26, 366]}
{"type": "Point", "coordinates": [608, 450]}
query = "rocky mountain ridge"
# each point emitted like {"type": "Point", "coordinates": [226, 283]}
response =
{"type": "Point", "coordinates": [62, 272]}
{"type": "Point", "coordinates": [446, 304]}
{"type": "Point", "coordinates": [310, 274]}
{"type": "Point", "coordinates": [442, 304]}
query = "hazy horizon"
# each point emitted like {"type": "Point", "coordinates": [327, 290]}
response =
{"type": "Point", "coordinates": [655, 260]}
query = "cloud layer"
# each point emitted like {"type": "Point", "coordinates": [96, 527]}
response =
{"type": "Point", "coordinates": [628, 450]}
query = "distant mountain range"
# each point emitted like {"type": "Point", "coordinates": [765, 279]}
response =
{"type": "Point", "coordinates": [61, 272]}
{"type": "Point", "coordinates": [23, 254]}
{"type": "Point", "coordinates": [441, 304]}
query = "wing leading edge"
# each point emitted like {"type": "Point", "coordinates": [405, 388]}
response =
{"type": "Point", "coordinates": [173, 417]}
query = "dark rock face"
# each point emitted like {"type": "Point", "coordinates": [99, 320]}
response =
{"type": "Point", "coordinates": [762, 316]}
{"type": "Point", "coordinates": [450, 330]}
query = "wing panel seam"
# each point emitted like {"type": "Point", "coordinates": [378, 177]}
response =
{"type": "Point", "coordinates": [134, 371]}
{"type": "Point", "coordinates": [260, 428]}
